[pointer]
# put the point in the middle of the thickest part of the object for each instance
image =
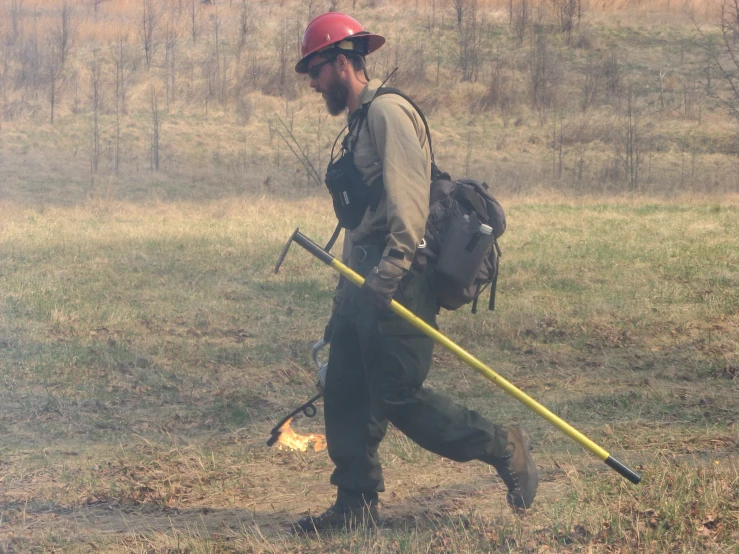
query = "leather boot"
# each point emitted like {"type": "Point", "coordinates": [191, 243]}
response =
{"type": "Point", "coordinates": [340, 517]}
{"type": "Point", "coordinates": [517, 469]}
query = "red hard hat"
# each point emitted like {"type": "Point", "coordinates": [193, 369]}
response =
{"type": "Point", "coordinates": [331, 29]}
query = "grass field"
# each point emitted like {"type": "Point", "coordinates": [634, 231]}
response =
{"type": "Point", "coordinates": [147, 350]}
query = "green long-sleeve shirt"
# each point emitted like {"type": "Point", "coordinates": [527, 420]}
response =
{"type": "Point", "coordinates": [392, 144]}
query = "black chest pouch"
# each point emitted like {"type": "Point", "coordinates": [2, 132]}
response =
{"type": "Point", "coordinates": [351, 196]}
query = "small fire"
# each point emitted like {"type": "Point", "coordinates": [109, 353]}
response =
{"type": "Point", "coordinates": [290, 439]}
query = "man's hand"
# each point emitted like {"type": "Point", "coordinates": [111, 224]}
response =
{"type": "Point", "coordinates": [382, 282]}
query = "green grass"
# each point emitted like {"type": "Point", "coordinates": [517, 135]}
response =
{"type": "Point", "coordinates": [146, 351]}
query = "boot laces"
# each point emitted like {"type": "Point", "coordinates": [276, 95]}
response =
{"type": "Point", "coordinates": [510, 477]}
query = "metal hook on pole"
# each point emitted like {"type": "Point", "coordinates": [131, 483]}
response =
{"type": "Point", "coordinates": [465, 356]}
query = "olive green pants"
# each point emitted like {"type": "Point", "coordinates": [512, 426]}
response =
{"type": "Point", "coordinates": [376, 369]}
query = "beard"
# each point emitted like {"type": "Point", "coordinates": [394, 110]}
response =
{"type": "Point", "coordinates": [336, 96]}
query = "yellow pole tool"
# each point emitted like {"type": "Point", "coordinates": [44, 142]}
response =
{"type": "Point", "coordinates": [466, 357]}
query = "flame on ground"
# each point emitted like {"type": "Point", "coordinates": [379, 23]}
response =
{"type": "Point", "coordinates": [290, 439]}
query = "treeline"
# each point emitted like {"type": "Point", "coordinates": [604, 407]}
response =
{"type": "Point", "coordinates": [552, 64]}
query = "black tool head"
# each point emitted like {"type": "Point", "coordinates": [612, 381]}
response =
{"type": "Point", "coordinates": [285, 249]}
{"type": "Point", "coordinates": [273, 437]}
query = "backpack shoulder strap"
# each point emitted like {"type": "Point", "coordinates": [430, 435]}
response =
{"type": "Point", "coordinates": [392, 90]}
{"type": "Point", "coordinates": [332, 240]}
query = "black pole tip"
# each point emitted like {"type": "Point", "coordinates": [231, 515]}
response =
{"type": "Point", "coordinates": [624, 470]}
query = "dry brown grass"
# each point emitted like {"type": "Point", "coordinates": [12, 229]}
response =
{"type": "Point", "coordinates": [147, 350]}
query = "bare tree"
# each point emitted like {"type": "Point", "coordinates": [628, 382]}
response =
{"type": "Point", "coordinates": [284, 44]}
{"type": "Point", "coordinates": [662, 75]}
{"type": "Point", "coordinates": [122, 60]}
{"type": "Point", "coordinates": [211, 67]}
{"type": "Point", "coordinates": [29, 76]}
{"type": "Point", "coordinates": [53, 71]}
{"type": "Point", "coordinates": [544, 74]}
{"type": "Point", "coordinates": [629, 145]}
{"type": "Point", "coordinates": [16, 20]}
{"type": "Point", "coordinates": [723, 58]}
{"type": "Point", "coordinates": [521, 19]}
{"type": "Point", "coordinates": [414, 66]}
{"type": "Point", "coordinates": [431, 20]}
{"type": "Point", "coordinates": [216, 66]}
{"type": "Point", "coordinates": [117, 138]}
{"type": "Point", "coordinates": [468, 150]}
{"type": "Point", "coordinates": [567, 14]}
{"type": "Point", "coordinates": [459, 7]}
{"type": "Point", "coordinates": [59, 43]}
{"type": "Point", "coordinates": [582, 8]}
{"type": "Point", "coordinates": [245, 23]}
{"type": "Point", "coordinates": [469, 54]}
{"type": "Point", "coordinates": [154, 150]}
{"type": "Point", "coordinates": [612, 77]}
{"type": "Point", "coordinates": [693, 99]}
{"type": "Point", "coordinates": [591, 85]}
{"type": "Point", "coordinates": [74, 81]}
{"type": "Point", "coordinates": [148, 21]}
{"type": "Point", "coordinates": [194, 20]}
{"type": "Point", "coordinates": [4, 70]}
{"type": "Point", "coordinates": [500, 91]}
{"type": "Point", "coordinates": [170, 58]}
{"type": "Point", "coordinates": [95, 104]}
{"type": "Point", "coordinates": [64, 31]}
{"type": "Point", "coordinates": [223, 80]}
{"type": "Point", "coordinates": [557, 147]}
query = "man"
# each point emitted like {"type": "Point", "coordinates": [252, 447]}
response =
{"type": "Point", "coordinates": [378, 362]}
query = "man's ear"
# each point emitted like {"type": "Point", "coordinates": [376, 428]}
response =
{"type": "Point", "coordinates": [342, 61]}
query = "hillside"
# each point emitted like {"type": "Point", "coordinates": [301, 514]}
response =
{"type": "Point", "coordinates": [178, 99]}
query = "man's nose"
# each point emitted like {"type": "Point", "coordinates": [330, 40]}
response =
{"type": "Point", "coordinates": [313, 83]}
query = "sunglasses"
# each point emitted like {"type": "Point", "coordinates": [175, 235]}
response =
{"type": "Point", "coordinates": [315, 71]}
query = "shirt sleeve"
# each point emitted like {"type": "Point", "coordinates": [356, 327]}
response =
{"type": "Point", "coordinates": [393, 125]}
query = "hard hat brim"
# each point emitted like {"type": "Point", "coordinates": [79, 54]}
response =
{"type": "Point", "coordinates": [373, 43]}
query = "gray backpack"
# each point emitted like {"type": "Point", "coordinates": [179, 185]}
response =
{"type": "Point", "coordinates": [464, 224]}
